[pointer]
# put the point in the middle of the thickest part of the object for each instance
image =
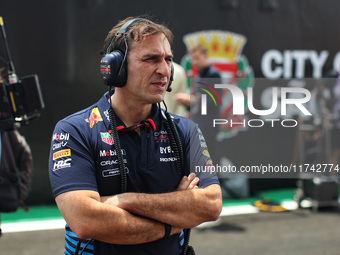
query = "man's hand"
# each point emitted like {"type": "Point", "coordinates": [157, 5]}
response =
{"type": "Point", "coordinates": [188, 182]}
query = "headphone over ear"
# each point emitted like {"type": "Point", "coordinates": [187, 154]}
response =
{"type": "Point", "coordinates": [113, 66]}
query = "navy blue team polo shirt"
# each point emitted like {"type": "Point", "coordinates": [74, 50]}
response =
{"type": "Point", "coordinates": [83, 157]}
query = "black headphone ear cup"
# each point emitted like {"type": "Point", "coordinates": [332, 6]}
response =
{"type": "Point", "coordinates": [113, 69]}
{"type": "Point", "coordinates": [169, 89]}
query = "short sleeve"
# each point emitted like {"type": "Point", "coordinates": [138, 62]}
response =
{"type": "Point", "coordinates": [199, 158]}
{"type": "Point", "coordinates": [71, 163]}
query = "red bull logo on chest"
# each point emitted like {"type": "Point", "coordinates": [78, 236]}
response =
{"type": "Point", "coordinates": [94, 117]}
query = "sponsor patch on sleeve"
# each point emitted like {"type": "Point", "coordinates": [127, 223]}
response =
{"type": "Point", "coordinates": [62, 153]}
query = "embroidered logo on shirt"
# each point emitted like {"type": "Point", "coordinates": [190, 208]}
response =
{"type": "Point", "coordinates": [62, 153]}
{"type": "Point", "coordinates": [161, 136]}
{"type": "Point", "coordinates": [94, 117]}
{"type": "Point", "coordinates": [113, 172]}
{"type": "Point", "coordinates": [107, 138]}
{"type": "Point", "coordinates": [61, 137]}
{"type": "Point", "coordinates": [62, 164]}
{"type": "Point", "coordinates": [206, 153]}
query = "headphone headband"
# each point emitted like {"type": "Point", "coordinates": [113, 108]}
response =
{"type": "Point", "coordinates": [128, 24]}
{"type": "Point", "coordinates": [123, 29]}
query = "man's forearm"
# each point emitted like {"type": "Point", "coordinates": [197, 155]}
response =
{"type": "Point", "coordinates": [89, 218]}
{"type": "Point", "coordinates": [131, 229]}
{"type": "Point", "coordinates": [184, 208]}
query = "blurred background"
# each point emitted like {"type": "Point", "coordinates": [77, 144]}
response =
{"type": "Point", "coordinates": [60, 41]}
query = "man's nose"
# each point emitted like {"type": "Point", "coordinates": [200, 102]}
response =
{"type": "Point", "coordinates": [164, 68]}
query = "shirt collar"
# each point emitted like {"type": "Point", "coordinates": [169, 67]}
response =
{"type": "Point", "coordinates": [150, 123]}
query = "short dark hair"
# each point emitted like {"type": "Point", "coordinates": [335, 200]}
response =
{"type": "Point", "coordinates": [136, 33]}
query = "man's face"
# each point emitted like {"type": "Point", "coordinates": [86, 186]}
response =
{"type": "Point", "coordinates": [199, 60]}
{"type": "Point", "coordinates": [149, 69]}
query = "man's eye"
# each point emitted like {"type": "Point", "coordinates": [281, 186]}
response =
{"type": "Point", "coordinates": [150, 60]}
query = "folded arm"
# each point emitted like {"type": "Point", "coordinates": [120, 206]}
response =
{"type": "Point", "coordinates": [88, 217]}
{"type": "Point", "coordinates": [186, 207]}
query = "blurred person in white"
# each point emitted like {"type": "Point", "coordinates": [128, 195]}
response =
{"type": "Point", "coordinates": [179, 86]}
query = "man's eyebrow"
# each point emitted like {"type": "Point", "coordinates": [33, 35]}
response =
{"type": "Point", "coordinates": [150, 55]}
{"type": "Point", "coordinates": [153, 56]}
